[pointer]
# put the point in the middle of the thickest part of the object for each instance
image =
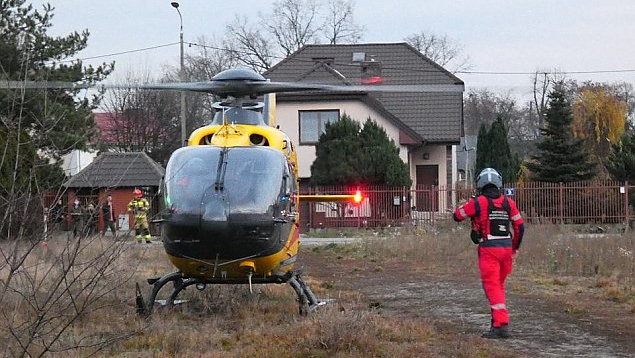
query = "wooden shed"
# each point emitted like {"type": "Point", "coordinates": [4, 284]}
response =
{"type": "Point", "coordinates": [117, 174]}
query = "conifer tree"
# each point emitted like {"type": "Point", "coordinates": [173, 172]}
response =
{"type": "Point", "coordinates": [348, 153]}
{"type": "Point", "coordinates": [621, 160]}
{"type": "Point", "coordinates": [482, 150]}
{"type": "Point", "coordinates": [379, 161]}
{"type": "Point", "coordinates": [561, 157]}
{"type": "Point", "coordinates": [336, 153]}
{"type": "Point", "coordinates": [493, 151]}
{"type": "Point", "coordinates": [49, 122]}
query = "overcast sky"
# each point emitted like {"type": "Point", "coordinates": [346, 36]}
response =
{"type": "Point", "coordinates": [500, 36]}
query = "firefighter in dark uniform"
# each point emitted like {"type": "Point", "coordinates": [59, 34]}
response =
{"type": "Point", "coordinates": [77, 217]}
{"type": "Point", "coordinates": [491, 213]}
{"type": "Point", "coordinates": [108, 212]}
{"type": "Point", "coordinates": [139, 207]}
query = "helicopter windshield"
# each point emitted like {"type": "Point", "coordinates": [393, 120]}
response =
{"type": "Point", "coordinates": [239, 115]}
{"type": "Point", "coordinates": [249, 182]}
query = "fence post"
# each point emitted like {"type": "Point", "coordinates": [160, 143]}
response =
{"type": "Point", "coordinates": [561, 203]}
{"type": "Point", "coordinates": [627, 208]}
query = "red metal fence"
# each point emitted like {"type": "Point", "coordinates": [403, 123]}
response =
{"type": "Point", "coordinates": [578, 202]}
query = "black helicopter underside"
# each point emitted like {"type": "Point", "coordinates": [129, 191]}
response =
{"type": "Point", "coordinates": [246, 237]}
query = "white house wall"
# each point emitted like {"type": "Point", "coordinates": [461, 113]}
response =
{"type": "Point", "coordinates": [436, 156]}
{"type": "Point", "coordinates": [287, 116]}
{"type": "Point", "coordinates": [76, 160]}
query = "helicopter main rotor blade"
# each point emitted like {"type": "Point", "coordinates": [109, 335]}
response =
{"type": "Point", "coordinates": [247, 88]}
{"type": "Point", "coordinates": [295, 87]}
{"type": "Point", "coordinates": [236, 88]}
{"type": "Point", "coordinates": [4, 84]}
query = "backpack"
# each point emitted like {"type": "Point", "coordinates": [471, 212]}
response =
{"type": "Point", "coordinates": [498, 218]}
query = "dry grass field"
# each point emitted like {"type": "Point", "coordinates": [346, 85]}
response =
{"type": "Point", "coordinates": [76, 298]}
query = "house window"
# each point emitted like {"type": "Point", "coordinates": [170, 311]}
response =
{"type": "Point", "coordinates": [313, 124]}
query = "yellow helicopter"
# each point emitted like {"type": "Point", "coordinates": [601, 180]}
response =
{"type": "Point", "coordinates": [231, 196]}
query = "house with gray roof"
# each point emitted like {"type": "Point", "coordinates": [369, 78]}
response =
{"type": "Point", "coordinates": [426, 126]}
{"type": "Point", "coordinates": [116, 174]}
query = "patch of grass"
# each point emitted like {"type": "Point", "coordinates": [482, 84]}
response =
{"type": "Point", "coordinates": [559, 282]}
{"type": "Point", "coordinates": [375, 305]}
{"type": "Point", "coordinates": [614, 293]}
{"type": "Point", "coordinates": [327, 285]}
{"type": "Point", "coordinates": [604, 282]}
{"type": "Point", "coordinates": [574, 309]}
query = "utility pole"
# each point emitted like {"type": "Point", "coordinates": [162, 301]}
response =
{"type": "Point", "coordinates": [182, 77]}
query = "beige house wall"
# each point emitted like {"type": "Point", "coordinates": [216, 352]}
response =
{"type": "Point", "coordinates": [287, 116]}
{"type": "Point", "coordinates": [436, 155]}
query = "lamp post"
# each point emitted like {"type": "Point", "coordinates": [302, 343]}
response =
{"type": "Point", "coordinates": [182, 77]}
{"type": "Point", "coordinates": [467, 164]}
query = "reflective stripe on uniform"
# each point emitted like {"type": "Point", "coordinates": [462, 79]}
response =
{"type": "Point", "coordinates": [515, 217]}
{"type": "Point", "coordinates": [492, 237]}
{"type": "Point", "coordinates": [462, 212]}
{"type": "Point", "coordinates": [499, 306]}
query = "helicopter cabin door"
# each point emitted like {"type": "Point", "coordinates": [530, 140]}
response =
{"type": "Point", "coordinates": [427, 194]}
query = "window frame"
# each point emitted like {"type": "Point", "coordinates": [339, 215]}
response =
{"type": "Point", "coordinates": [301, 111]}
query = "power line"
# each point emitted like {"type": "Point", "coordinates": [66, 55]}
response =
{"type": "Point", "coordinates": [543, 72]}
{"type": "Point", "coordinates": [119, 53]}
{"type": "Point", "coordinates": [493, 73]}
{"type": "Point", "coordinates": [418, 69]}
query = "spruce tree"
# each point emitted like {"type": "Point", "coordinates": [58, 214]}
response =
{"type": "Point", "coordinates": [349, 154]}
{"type": "Point", "coordinates": [492, 151]}
{"type": "Point", "coordinates": [621, 160]}
{"type": "Point", "coordinates": [336, 153]}
{"type": "Point", "coordinates": [561, 157]}
{"type": "Point", "coordinates": [379, 161]}
{"type": "Point", "coordinates": [482, 149]}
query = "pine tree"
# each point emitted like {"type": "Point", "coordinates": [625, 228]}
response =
{"type": "Point", "coordinates": [336, 152]}
{"type": "Point", "coordinates": [52, 122]}
{"type": "Point", "coordinates": [621, 160]}
{"type": "Point", "coordinates": [353, 155]}
{"type": "Point", "coordinates": [561, 157]}
{"type": "Point", "coordinates": [482, 150]}
{"type": "Point", "coordinates": [379, 161]}
{"type": "Point", "coordinates": [493, 152]}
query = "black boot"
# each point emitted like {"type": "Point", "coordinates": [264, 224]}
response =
{"type": "Point", "coordinates": [496, 333]}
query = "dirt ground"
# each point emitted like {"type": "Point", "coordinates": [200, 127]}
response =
{"type": "Point", "coordinates": [548, 317]}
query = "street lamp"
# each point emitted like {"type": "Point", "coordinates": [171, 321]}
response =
{"type": "Point", "coordinates": [182, 77]}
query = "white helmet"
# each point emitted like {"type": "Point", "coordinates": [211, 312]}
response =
{"type": "Point", "coordinates": [489, 176]}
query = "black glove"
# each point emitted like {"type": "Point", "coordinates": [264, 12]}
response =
{"type": "Point", "coordinates": [475, 236]}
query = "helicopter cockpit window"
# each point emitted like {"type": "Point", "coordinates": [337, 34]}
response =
{"type": "Point", "coordinates": [253, 180]}
{"type": "Point", "coordinates": [250, 182]}
{"type": "Point", "coordinates": [239, 115]}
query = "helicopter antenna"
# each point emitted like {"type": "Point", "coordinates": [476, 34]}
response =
{"type": "Point", "coordinates": [219, 184]}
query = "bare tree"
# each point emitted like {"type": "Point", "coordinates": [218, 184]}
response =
{"type": "Point", "coordinates": [148, 121]}
{"type": "Point", "coordinates": [202, 66]}
{"type": "Point", "coordinates": [339, 26]}
{"type": "Point", "coordinates": [543, 82]}
{"type": "Point", "coordinates": [138, 120]}
{"type": "Point", "coordinates": [440, 49]}
{"type": "Point", "coordinates": [292, 23]}
{"type": "Point", "coordinates": [210, 60]}
{"type": "Point", "coordinates": [50, 285]}
{"type": "Point", "coordinates": [249, 45]}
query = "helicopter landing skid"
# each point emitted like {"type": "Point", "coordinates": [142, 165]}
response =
{"type": "Point", "coordinates": [307, 300]}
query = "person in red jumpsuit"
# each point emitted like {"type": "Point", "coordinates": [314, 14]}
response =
{"type": "Point", "coordinates": [491, 214]}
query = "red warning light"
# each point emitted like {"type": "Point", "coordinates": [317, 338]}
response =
{"type": "Point", "coordinates": [372, 80]}
{"type": "Point", "coordinates": [357, 198]}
